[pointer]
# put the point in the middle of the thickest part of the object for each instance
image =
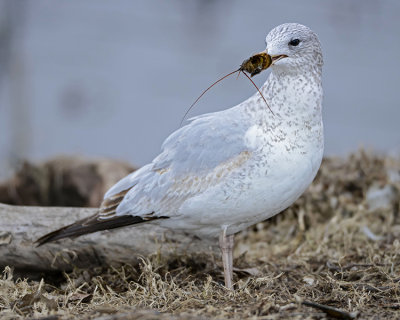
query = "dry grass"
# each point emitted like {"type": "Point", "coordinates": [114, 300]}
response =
{"type": "Point", "coordinates": [329, 248]}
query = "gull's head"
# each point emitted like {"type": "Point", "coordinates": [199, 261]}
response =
{"type": "Point", "coordinates": [294, 48]}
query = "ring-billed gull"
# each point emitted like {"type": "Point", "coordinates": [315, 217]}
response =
{"type": "Point", "coordinates": [227, 170]}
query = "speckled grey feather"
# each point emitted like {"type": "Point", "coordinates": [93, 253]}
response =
{"type": "Point", "coordinates": [230, 169]}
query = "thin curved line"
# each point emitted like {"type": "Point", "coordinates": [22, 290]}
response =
{"type": "Point", "coordinates": [258, 92]}
{"type": "Point", "coordinates": [190, 108]}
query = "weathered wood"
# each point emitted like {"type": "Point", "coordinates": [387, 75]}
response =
{"type": "Point", "coordinates": [21, 226]}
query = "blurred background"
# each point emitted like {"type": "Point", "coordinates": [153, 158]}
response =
{"type": "Point", "coordinates": [114, 78]}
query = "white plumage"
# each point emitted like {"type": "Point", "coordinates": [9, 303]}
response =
{"type": "Point", "coordinates": [234, 168]}
{"type": "Point", "coordinates": [227, 170]}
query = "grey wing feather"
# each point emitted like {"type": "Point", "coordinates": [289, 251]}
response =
{"type": "Point", "coordinates": [204, 143]}
{"type": "Point", "coordinates": [125, 183]}
{"type": "Point", "coordinates": [192, 151]}
{"type": "Point", "coordinates": [156, 190]}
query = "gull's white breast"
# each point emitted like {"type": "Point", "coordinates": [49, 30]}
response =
{"type": "Point", "coordinates": [283, 158]}
{"type": "Point", "coordinates": [271, 180]}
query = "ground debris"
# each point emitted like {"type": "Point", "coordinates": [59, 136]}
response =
{"type": "Point", "coordinates": [316, 252]}
{"type": "Point", "coordinates": [332, 312]}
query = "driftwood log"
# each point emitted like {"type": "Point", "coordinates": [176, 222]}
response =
{"type": "Point", "coordinates": [20, 226]}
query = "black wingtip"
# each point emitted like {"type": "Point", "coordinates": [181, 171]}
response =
{"type": "Point", "coordinates": [73, 230]}
{"type": "Point", "coordinates": [50, 237]}
{"type": "Point", "coordinates": [90, 225]}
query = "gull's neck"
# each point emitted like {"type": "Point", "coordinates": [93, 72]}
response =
{"type": "Point", "coordinates": [294, 97]}
{"type": "Point", "coordinates": [296, 101]}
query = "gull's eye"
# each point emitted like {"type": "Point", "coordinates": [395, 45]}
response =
{"type": "Point", "coordinates": [294, 42]}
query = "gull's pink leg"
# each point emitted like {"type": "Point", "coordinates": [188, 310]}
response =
{"type": "Point", "coordinates": [226, 245]}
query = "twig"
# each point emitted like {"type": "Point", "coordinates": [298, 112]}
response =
{"type": "Point", "coordinates": [331, 311]}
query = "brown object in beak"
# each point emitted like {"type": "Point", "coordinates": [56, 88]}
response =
{"type": "Point", "coordinates": [253, 65]}
{"type": "Point", "coordinates": [256, 63]}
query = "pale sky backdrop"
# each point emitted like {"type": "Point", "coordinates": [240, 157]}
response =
{"type": "Point", "coordinates": [114, 78]}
